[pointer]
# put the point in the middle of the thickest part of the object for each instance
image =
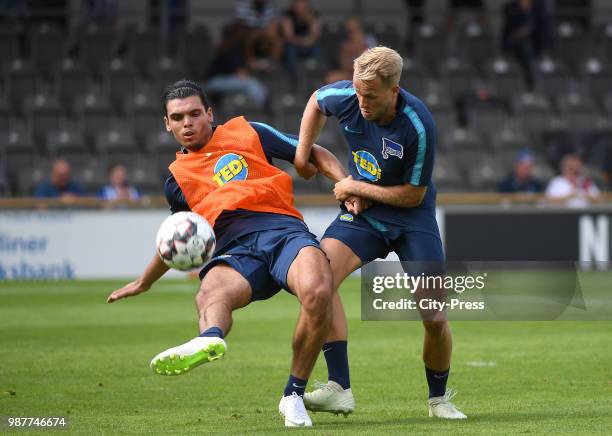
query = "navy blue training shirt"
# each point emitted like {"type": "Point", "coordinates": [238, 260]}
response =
{"type": "Point", "coordinates": [401, 152]}
{"type": "Point", "coordinates": [234, 224]}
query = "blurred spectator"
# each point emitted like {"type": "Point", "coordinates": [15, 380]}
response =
{"type": "Point", "coordinates": [264, 42]}
{"type": "Point", "coordinates": [302, 30]}
{"type": "Point", "coordinates": [229, 72]}
{"type": "Point", "coordinates": [355, 42]}
{"type": "Point", "coordinates": [119, 187]}
{"type": "Point", "coordinates": [525, 33]}
{"type": "Point", "coordinates": [522, 179]}
{"type": "Point", "coordinates": [60, 185]}
{"type": "Point", "coordinates": [571, 187]}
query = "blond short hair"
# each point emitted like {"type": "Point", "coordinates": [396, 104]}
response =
{"type": "Point", "coordinates": [380, 61]}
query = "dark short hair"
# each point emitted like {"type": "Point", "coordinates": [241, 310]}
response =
{"type": "Point", "coordinates": [183, 89]}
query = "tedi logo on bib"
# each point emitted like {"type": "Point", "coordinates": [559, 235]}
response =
{"type": "Point", "coordinates": [230, 167]}
{"type": "Point", "coordinates": [367, 165]}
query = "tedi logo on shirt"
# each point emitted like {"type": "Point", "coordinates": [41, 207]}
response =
{"type": "Point", "coordinates": [367, 165]}
{"type": "Point", "coordinates": [230, 167]}
{"type": "Point", "coordinates": [391, 148]}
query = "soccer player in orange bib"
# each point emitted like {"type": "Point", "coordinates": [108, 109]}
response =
{"type": "Point", "coordinates": [224, 173]}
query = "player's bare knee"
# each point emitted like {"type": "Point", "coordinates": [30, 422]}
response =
{"type": "Point", "coordinates": [317, 297]}
{"type": "Point", "coordinates": [436, 328]}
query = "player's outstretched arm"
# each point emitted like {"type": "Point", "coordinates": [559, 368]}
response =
{"type": "Point", "coordinates": [327, 163]}
{"type": "Point", "coordinates": [330, 166]}
{"type": "Point", "coordinates": [399, 195]}
{"type": "Point", "coordinates": [154, 271]}
{"type": "Point", "coordinates": [313, 121]}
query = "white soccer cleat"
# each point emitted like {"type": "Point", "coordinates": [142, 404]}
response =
{"type": "Point", "coordinates": [179, 360]}
{"type": "Point", "coordinates": [330, 397]}
{"type": "Point", "coordinates": [441, 407]}
{"type": "Point", "coordinates": [292, 408]}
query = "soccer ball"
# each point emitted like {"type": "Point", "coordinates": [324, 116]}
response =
{"type": "Point", "coordinates": [185, 241]}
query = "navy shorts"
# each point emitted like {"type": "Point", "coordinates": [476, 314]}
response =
{"type": "Point", "coordinates": [370, 244]}
{"type": "Point", "coordinates": [264, 257]}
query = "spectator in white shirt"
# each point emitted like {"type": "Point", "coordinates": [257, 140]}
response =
{"type": "Point", "coordinates": [571, 187]}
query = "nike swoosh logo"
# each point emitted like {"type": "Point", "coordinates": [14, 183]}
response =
{"type": "Point", "coordinates": [296, 386]}
{"type": "Point", "coordinates": [439, 376]}
{"type": "Point", "coordinates": [348, 129]}
{"type": "Point", "coordinates": [325, 350]}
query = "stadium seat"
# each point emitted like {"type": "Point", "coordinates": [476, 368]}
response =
{"type": "Point", "coordinates": [9, 45]}
{"type": "Point", "coordinates": [97, 47]}
{"type": "Point", "coordinates": [48, 46]}
{"type": "Point", "coordinates": [117, 143]}
{"type": "Point", "coordinates": [596, 75]}
{"type": "Point", "coordinates": [288, 110]}
{"type": "Point", "coordinates": [571, 45]}
{"type": "Point", "coordinates": [415, 77]}
{"type": "Point", "coordinates": [144, 112]}
{"type": "Point", "coordinates": [19, 150]}
{"type": "Point", "coordinates": [597, 145]}
{"type": "Point", "coordinates": [165, 71]}
{"type": "Point", "coordinates": [534, 112]}
{"type": "Point", "coordinates": [476, 44]}
{"type": "Point", "coordinates": [386, 33]}
{"type": "Point", "coordinates": [552, 77]}
{"type": "Point", "coordinates": [578, 111]}
{"type": "Point", "coordinates": [143, 44]}
{"type": "Point", "coordinates": [278, 82]}
{"type": "Point", "coordinates": [22, 81]}
{"type": "Point", "coordinates": [92, 176]}
{"type": "Point", "coordinates": [443, 113]}
{"type": "Point", "coordinates": [310, 76]}
{"type": "Point", "coordinates": [68, 143]}
{"type": "Point", "coordinates": [333, 10]}
{"type": "Point", "coordinates": [5, 189]}
{"type": "Point", "coordinates": [148, 178]}
{"type": "Point", "coordinates": [43, 113]}
{"type": "Point", "coordinates": [161, 148]}
{"type": "Point", "coordinates": [486, 171]}
{"type": "Point", "coordinates": [120, 79]}
{"type": "Point", "coordinates": [458, 75]}
{"type": "Point", "coordinates": [29, 178]}
{"type": "Point", "coordinates": [239, 104]}
{"type": "Point", "coordinates": [509, 140]}
{"type": "Point", "coordinates": [446, 175]}
{"type": "Point", "coordinates": [5, 114]}
{"type": "Point", "coordinates": [73, 80]}
{"type": "Point", "coordinates": [604, 40]}
{"type": "Point", "coordinates": [430, 45]}
{"type": "Point", "coordinates": [95, 114]}
{"type": "Point", "coordinates": [504, 77]}
{"type": "Point", "coordinates": [194, 48]}
{"type": "Point", "coordinates": [486, 113]}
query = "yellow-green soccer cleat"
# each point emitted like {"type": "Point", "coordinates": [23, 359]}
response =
{"type": "Point", "coordinates": [441, 407]}
{"type": "Point", "coordinates": [178, 360]}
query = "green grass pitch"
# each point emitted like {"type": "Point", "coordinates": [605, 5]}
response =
{"type": "Point", "coordinates": [67, 353]}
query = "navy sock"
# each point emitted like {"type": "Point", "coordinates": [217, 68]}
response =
{"type": "Point", "coordinates": [213, 332]}
{"type": "Point", "coordinates": [336, 356]}
{"type": "Point", "coordinates": [436, 382]}
{"type": "Point", "coordinates": [296, 385]}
